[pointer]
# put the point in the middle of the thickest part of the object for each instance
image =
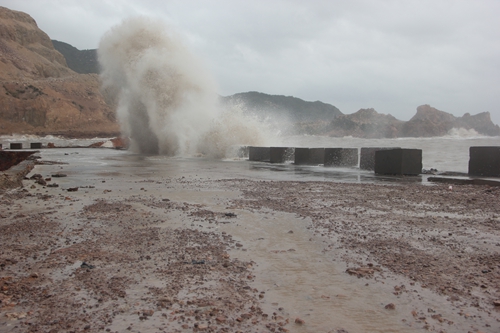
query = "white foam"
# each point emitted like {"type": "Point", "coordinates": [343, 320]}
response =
{"type": "Point", "coordinates": [167, 101]}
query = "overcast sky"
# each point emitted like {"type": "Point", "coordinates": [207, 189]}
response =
{"type": "Point", "coordinates": [390, 55]}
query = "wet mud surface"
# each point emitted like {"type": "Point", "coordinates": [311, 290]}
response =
{"type": "Point", "coordinates": [445, 240]}
{"type": "Point", "coordinates": [130, 252]}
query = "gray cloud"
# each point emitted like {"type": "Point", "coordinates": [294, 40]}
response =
{"type": "Point", "coordinates": [389, 55]}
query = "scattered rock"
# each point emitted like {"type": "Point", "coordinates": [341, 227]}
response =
{"type": "Point", "coordinates": [299, 321]}
{"type": "Point", "coordinates": [361, 271]}
{"type": "Point", "coordinates": [198, 262]}
{"type": "Point", "coordinates": [390, 306]}
{"type": "Point", "coordinates": [16, 315]}
{"type": "Point", "coordinates": [147, 313]}
{"type": "Point", "coordinates": [86, 266]}
{"type": "Point", "coordinates": [59, 175]}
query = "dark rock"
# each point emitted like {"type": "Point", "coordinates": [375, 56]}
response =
{"type": "Point", "coordinates": [86, 266]}
{"type": "Point", "coordinates": [390, 306]}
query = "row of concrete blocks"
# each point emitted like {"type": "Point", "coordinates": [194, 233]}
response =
{"type": "Point", "coordinates": [484, 161]}
{"type": "Point", "coordinates": [19, 145]}
{"type": "Point", "coordinates": [381, 160]}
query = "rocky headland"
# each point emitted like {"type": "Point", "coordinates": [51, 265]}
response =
{"type": "Point", "coordinates": [427, 122]}
{"type": "Point", "coordinates": [39, 93]}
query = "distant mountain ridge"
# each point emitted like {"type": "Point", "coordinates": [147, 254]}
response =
{"type": "Point", "coordinates": [81, 61]}
{"type": "Point", "coordinates": [318, 118]}
{"type": "Point", "coordinates": [295, 109]}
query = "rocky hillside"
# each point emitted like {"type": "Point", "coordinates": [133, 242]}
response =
{"type": "Point", "coordinates": [366, 123]}
{"type": "Point", "coordinates": [39, 93]}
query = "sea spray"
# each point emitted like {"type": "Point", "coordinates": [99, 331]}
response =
{"type": "Point", "coordinates": [167, 101]}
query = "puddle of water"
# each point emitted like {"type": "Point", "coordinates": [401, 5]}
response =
{"type": "Point", "coordinates": [294, 273]}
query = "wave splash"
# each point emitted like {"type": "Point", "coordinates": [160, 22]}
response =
{"type": "Point", "coordinates": [167, 100]}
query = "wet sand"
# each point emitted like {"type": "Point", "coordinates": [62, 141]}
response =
{"type": "Point", "coordinates": [180, 247]}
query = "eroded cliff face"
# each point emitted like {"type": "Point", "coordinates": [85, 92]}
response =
{"type": "Point", "coordinates": [39, 94]}
{"type": "Point", "coordinates": [429, 121]}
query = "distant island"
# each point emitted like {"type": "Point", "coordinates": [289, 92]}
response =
{"type": "Point", "coordinates": [50, 87]}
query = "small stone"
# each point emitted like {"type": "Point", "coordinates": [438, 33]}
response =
{"type": "Point", "coordinates": [147, 313]}
{"type": "Point", "coordinates": [290, 232]}
{"type": "Point", "coordinates": [202, 327]}
{"type": "Point", "coordinates": [220, 319]}
{"type": "Point", "coordinates": [299, 321]}
{"type": "Point", "coordinates": [390, 306]}
{"type": "Point", "coordinates": [34, 275]}
{"type": "Point", "coordinates": [496, 302]}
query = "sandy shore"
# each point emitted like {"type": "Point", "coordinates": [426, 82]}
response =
{"type": "Point", "coordinates": [144, 252]}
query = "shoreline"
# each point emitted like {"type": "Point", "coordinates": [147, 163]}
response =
{"type": "Point", "coordinates": [227, 254]}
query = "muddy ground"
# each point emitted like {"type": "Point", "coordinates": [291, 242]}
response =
{"type": "Point", "coordinates": [150, 254]}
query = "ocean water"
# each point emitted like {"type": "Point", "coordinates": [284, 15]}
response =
{"type": "Point", "coordinates": [447, 153]}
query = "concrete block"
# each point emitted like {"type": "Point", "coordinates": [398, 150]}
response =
{"type": "Point", "coordinates": [341, 157]}
{"type": "Point", "coordinates": [309, 156]}
{"type": "Point", "coordinates": [367, 157]}
{"type": "Point", "coordinates": [260, 154]}
{"type": "Point", "coordinates": [16, 145]}
{"type": "Point", "coordinates": [484, 161]}
{"type": "Point", "coordinates": [35, 145]}
{"type": "Point", "coordinates": [398, 162]}
{"type": "Point", "coordinates": [281, 154]}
